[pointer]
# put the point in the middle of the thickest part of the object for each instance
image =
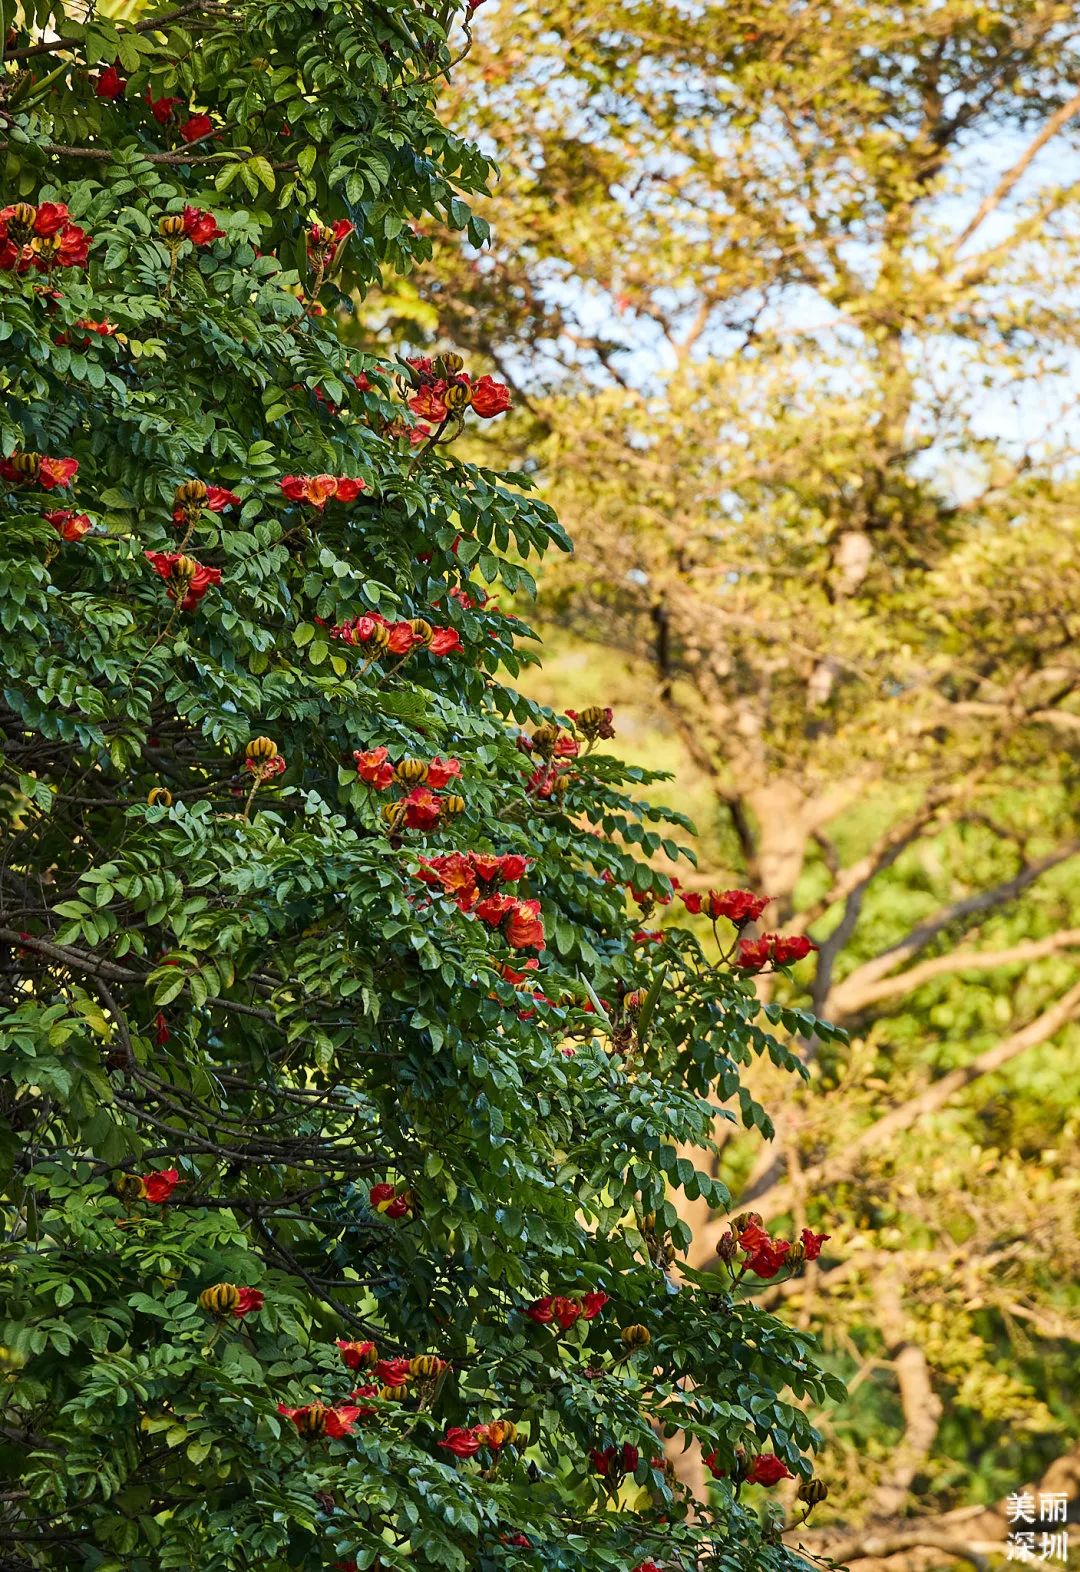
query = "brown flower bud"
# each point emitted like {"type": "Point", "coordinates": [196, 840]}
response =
{"type": "Point", "coordinates": [422, 631]}
{"type": "Point", "coordinates": [312, 1424]}
{"type": "Point", "coordinates": [261, 748]}
{"type": "Point", "coordinates": [456, 396]}
{"type": "Point", "coordinates": [159, 797]}
{"type": "Point", "coordinates": [394, 814]}
{"type": "Point", "coordinates": [21, 222]}
{"type": "Point", "coordinates": [636, 1336]}
{"type": "Point", "coordinates": [393, 1394]}
{"type": "Point", "coordinates": [220, 1298]}
{"type": "Point", "coordinates": [184, 570]}
{"type": "Point", "coordinates": [427, 1365]}
{"type": "Point", "coordinates": [25, 466]}
{"type": "Point", "coordinates": [500, 1432]}
{"type": "Point", "coordinates": [171, 227]}
{"type": "Point", "coordinates": [813, 1492]}
{"type": "Point", "coordinates": [190, 492]}
{"type": "Point", "coordinates": [728, 1246]}
{"type": "Point", "coordinates": [451, 364]}
{"type": "Point", "coordinates": [411, 771]}
{"type": "Point", "coordinates": [454, 804]}
{"type": "Point", "coordinates": [544, 739]}
{"type": "Point", "coordinates": [129, 1187]}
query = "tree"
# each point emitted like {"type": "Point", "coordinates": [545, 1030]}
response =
{"type": "Point", "coordinates": [343, 1097]}
{"type": "Point", "coordinates": [779, 292]}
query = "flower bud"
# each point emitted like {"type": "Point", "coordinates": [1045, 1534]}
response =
{"type": "Point", "coordinates": [727, 1247]}
{"type": "Point", "coordinates": [190, 492]}
{"type": "Point", "coordinates": [21, 222]}
{"type": "Point", "coordinates": [740, 1466]}
{"type": "Point", "coordinates": [159, 797]}
{"type": "Point", "coordinates": [411, 771]}
{"type": "Point", "coordinates": [393, 1394]}
{"type": "Point", "coordinates": [45, 247]}
{"type": "Point", "coordinates": [427, 1365]}
{"type": "Point", "coordinates": [813, 1492]}
{"type": "Point", "coordinates": [422, 631]}
{"type": "Point", "coordinates": [184, 570]}
{"type": "Point", "coordinates": [633, 1002]}
{"type": "Point", "coordinates": [456, 396]}
{"type": "Point", "coordinates": [451, 364]}
{"type": "Point", "coordinates": [636, 1336]}
{"type": "Point", "coordinates": [394, 815]}
{"type": "Point", "coordinates": [544, 739]}
{"type": "Point", "coordinates": [171, 227]}
{"type": "Point", "coordinates": [220, 1298]}
{"type": "Point", "coordinates": [312, 1425]}
{"type": "Point", "coordinates": [25, 466]}
{"type": "Point", "coordinates": [796, 1255]}
{"type": "Point", "coordinates": [261, 748]}
{"type": "Point", "coordinates": [454, 804]}
{"type": "Point", "coordinates": [129, 1187]}
{"type": "Point", "coordinates": [379, 636]}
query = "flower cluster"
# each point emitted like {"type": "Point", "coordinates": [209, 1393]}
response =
{"type": "Point", "coordinates": [614, 1462]}
{"type": "Point", "coordinates": [443, 389]}
{"type": "Point", "coordinates": [315, 1420]}
{"type": "Point", "coordinates": [373, 632]}
{"type": "Point", "coordinates": [467, 1441]}
{"type": "Point", "coordinates": [762, 1254]}
{"type": "Point", "coordinates": [420, 808]}
{"type": "Point", "coordinates": [187, 579]}
{"type": "Point", "coordinates": [199, 226]}
{"type": "Point", "coordinates": [470, 877]}
{"type": "Point", "coordinates": [772, 949]}
{"type": "Point", "coordinates": [392, 1200]}
{"type": "Point", "coordinates": [566, 1310]}
{"type": "Point", "coordinates": [594, 722]}
{"type": "Point", "coordinates": [318, 490]}
{"type": "Point", "coordinates": [43, 237]}
{"type": "Point", "coordinates": [154, 1187]}
{"type": "Point", "coordinates": [323, 240]}
{"type": "Point", "coordinates": [738, 906]}
{"type": "Point", "coordinates": [764, 1468]}
{"type": "Point", "coordinates": [263, 760]}
{"type": "Point", "coordinates": [193, 496]}
{"type": "Point", "coordinates": [224, 1299]}
{"type": "Point", "coordinates": [35, 469]}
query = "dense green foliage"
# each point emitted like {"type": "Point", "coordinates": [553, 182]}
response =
{"type": "Point", "coordinates": [369, 1119]}
{"type": "Point", "coordinates": [789, 295]}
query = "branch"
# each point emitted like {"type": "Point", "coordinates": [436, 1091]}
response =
{"type": "Point", "coordinates": [151, 25]}
{"type": "Point", "coordinates": [1060, 118]}
{"type": "Point", "coordinates": [851, 994]}
{"type": "Point", "coordinates": [969, 961]}
{"type": "Point", "coordinates": [921, 1405]}
{"type": "Point", "coordinates": [882, 1131]}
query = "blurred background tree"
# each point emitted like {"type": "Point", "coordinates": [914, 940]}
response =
{"type": "Point", "coordinates": [787, 296]}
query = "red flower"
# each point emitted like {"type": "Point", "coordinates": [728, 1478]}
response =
{"type": "Point", "coordinates": [386, 1200]}
{"type": "Point", "coordinates": [442, 771]}
{"type": "Point", "coordinates": [812, 1243]}
{"type": "Point", "coordinates": [158, 1187]}
{"type": "Point", "coordinates": [194, 588]}
{"type": "Point", "coordinates": [110, 84]}
{"type": "Point", "coordinates": [711, 1464]}
{"type": "Point", "coordinates": [338, 1421]}
{"type": "Point", "coordinates": [162, 1034]}
{"type": "Point", "coordinates": [592, 1303]}
{"type": "Point", "coordinates": [767, 1259]}
{"type": "Point", "coordinates": [266, 769]}
{"type": "Point", "coordinates": [218, 498]}
{"type": "Point", "coordinates": [463, 1443]}
{"type": "Point", "coordinates": [643, 1566]}
{"type": "Point", "coordinates": [69, 525]}
{"type": "Point", "coordinates": [611, 1459]}
{"type": "Point", "coordinates": [201, 227]}
{"type": "Point", "coordinates": [428, 403]}
{"type": "Point", "coordinates": [489, 397]}
{"type": "Point", "coordinates": [649, 936]}
{"type": "Point", "coordinates": [347, 489]}
{"type": "Point", "coordinates": [566, 1311]}
{"type": "Point", "coordinates": [738, 906]}
{"type": "Point", "coordinates": [401, 638]}
{"type": "Point", "coordinates": [753, 1236]}
{"type": "Point", "coordinates": [792, 947]}
{"type": "Point", "coordinates": [523, 928]}
{"type": "Point", "coordinates": [161, 108]}
{"type": "Point", "coordinates": [493, 908]}
{"type": "Point", "coordinates": [197, 127]}
{"type": "Point", "coordinates": [251, 1300]}
{"type": "Point", "coordinates": [364, 1410]}
{"type": "Point", "coordinates": [542, 1311]}
{"type": "Point", "coordinates": [513, 868]}
{"type": "Point", "coordinates": [392, 1372]}
{"type": "Point", "coordinates": [355, 1355]}
{"type": "Point", "coordinates": [691, 899]}
{"type": "Point", "coordinates": [50, 218]}
{"type": "Point", "coordinates": [444, 640]}
{"type": "Point", "coordinates": [373, 767]}
{"type": "Point", "coordinates": [765, 1469]}
{"type": "Point", "coordinates": [422, 809]}
{"type": "Point", "coordinates": [753, 954]}
{"type": "Point", "coordinates": [51, 472]}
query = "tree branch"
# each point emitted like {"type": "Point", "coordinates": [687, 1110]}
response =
{"type": "Point", "coordinates": [1060, 118]}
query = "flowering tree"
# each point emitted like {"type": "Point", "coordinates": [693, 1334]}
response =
{"type": "Point", "coordinates": [344, 1089]}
